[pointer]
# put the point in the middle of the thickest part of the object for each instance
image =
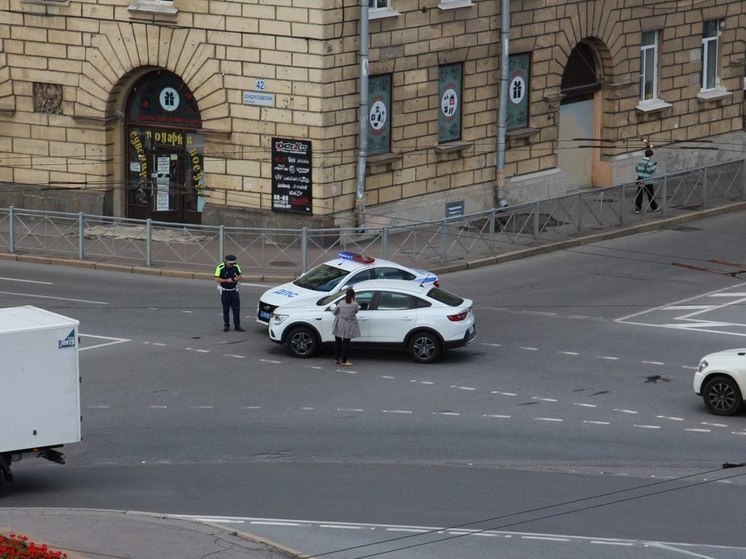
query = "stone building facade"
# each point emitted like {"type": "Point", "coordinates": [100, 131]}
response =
{"type": "Point", "coordinates": [246, 112]}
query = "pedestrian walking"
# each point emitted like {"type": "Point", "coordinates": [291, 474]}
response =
{"type": "Point", "coordinates": [345, 327]}
{"type": "Point", "coordinates": [227, 276]}
{"type": "Point", "coordinates": [645, 169]}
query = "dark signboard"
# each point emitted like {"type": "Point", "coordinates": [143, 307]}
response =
{"type": "Point", "coordinates": [291, 175]}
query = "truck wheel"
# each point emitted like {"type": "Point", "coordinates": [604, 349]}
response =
{"type": "Point", "coordinates": [722, 396]}
{"type": "Point", "coordinates": [302, 342]}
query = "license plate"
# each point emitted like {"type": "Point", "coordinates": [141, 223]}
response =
{"type": "Point", "coordinates": [265, 316]}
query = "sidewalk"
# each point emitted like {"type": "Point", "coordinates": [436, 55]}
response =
{"type": "Point", "coordinates": [99, 534]}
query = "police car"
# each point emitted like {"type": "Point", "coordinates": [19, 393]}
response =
{"type": "Point", "coordinates": [336, 275]}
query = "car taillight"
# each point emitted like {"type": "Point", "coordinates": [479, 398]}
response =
{"type": "Point", "coordinates": [458, 317]}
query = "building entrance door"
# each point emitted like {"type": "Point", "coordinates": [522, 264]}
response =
{"type": "Point", "coordinates": [165, 155]}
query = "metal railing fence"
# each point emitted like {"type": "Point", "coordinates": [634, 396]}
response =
{"type": "Point", "coordinates": [275, 253]}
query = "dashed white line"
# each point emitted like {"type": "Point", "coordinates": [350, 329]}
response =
{"type": "Point", "coordinates": [350, 409]}
{"type": "Point", "coordinates": [652, 362]}
{"type": "Point", "coordinates": [530, 348]}
{"type": "Point", "coordinates": [607, 357]}
{"type": "Point", "coordinates": [197, 350]}
{"type": "Point", "coordinates": [234, 355]}
{"type": "Point", "coordinates": [274, 362]}
{"type": "Point", "coordinates": [554, 419]}
{"type": "Point", "coordinates": [543, 399]}
{"type": "Point", "coordinates": [647, 426]}
{"type": "Point", "coordinates": [446, 413]}
{"type": "Point", "coordinates": [503, 393]}
{"type": "Point", "coordinates": [157, 407]}
{"type": "Point", "coordinates": [714, 424]}
{"type": "Point", "coordinates": [625, 411]}
{"type": "Point", "coordinates": [462, 387]}
{"type": "Point", "coordinates": [250, 407]}
{"type": "Point", "coordinates": [568, 352]}
{"type": "Point", "coordinates": [692, 430]}
{"type": "Point", "coordinates": [398, 411]}
{"type": "Point", "coordinates": [496, 416]}
{"type": "Point", "coordinates": [597, 422]}
{"type": "Point", "coordinates": [387, 377]}
{"type": "Point", "coordinates": [669, 418]}
{"type": "Point", "coordinates": [203, 407]}
{"type": "Point", "coordinates": [584, 405]}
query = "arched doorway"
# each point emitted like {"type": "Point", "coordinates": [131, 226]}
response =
{"type": "Point", "coordinates": [578, 122]}
{"type": "Point", "coordinates": [164, 150]}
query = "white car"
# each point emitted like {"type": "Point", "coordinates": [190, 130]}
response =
{"type": "Point", "coordinates": [721, 380]}
{"type": "Point", "coordinates": [419, 317]}
{"type": "Point", "coordinates": [337, 275]}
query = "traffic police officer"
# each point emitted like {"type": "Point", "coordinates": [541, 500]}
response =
{"type": "Point", "coordinates": [227, 276]}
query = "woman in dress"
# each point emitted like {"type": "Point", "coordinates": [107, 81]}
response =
{"type": "Point", "coordinates": [345, 327]}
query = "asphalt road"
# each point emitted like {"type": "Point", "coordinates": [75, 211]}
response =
{"type": "Point", "coordinates": [574, 404]}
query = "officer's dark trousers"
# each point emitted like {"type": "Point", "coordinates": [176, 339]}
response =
{"type": "Point", "coordinates": [231, 301]}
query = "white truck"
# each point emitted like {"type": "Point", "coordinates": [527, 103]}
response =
{"type": "Point", "coordinates": [39, 384]}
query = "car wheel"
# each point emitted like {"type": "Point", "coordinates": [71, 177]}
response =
{"type": "Point", "coordinates": [722, 396]}
{"type": "Point", "coordinates": [424, 347]}
{"type": "Point", "coordinates": [302, 342]}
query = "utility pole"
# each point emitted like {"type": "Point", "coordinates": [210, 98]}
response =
{"type": "Point", "coordinates": [363, 132]}
{"type": "Point", "coordinates": [502, 104]}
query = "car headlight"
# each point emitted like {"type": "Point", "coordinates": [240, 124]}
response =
{"type": "Point", "coordinates": [702, 366]}
{"type": "Point", "coordinates": [278, 319]}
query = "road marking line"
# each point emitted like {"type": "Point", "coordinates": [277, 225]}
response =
{"type": "Point", "coordinates": [504, 393]}
{"type": "Point", "coordinates": [203, 407]}
{"type": "Point", "coordinates": [543, 399]}
{"type": "Point", "coordinates": [555, 419]}
{"type": "Point", "coordinates": [53, 298]}
{"type": "Point", "coordinates": [462, 387]}
{"type": "Point", "coordinates": [568, 352]}
{"type": "Point", "coordinates": [738, 432]}
{"type": "Point", "coordinates": [307, 409]}
{"type": "Point", "coordinates": [446, 413]}
{"type": "Point", "coordinates": [698, 430]}
{"type": "Point", "coordinates": [652, 362]}
{"type": "Point", "coordinates": [669, 417]}
{"type": "Point", "coordinates": [250, 407]}
{"type": "Point", "coordinates": [647, 426]}
{"type": "Point", "coordinates": [608, 357]}
{"type": "Point", "coordinates": [397, 411]}
{"type": "Point", "coordinates": [158, 407]}
{"type": "Point", "coordinates": [496, 416]}
{"type": "Point", "coordinates": [197, 350]}
{"type": "Point", "coordinates": [714, 424]}
{"type": "Point", "coordinates": [623, 544]}
{"type": "Point", "coordinates": [596, 422]}
{"type": "Point", "coordinates": [584, 405]}
{"type": "Point", "coordinates": [350, 409]}
{"type": "Point", "coordinates": [274, 362]}
{"type": "Point", "coordinates": [234, 355]}
{"type": "Point", "coordinates": [625, 411]}
{"type": "Point", "coordinates": [530, 348]}
{"type": "Point", "coordinates": [387, 376]}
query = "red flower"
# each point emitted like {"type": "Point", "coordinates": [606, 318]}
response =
{"type": "Point", "coordinates": [16, 546]}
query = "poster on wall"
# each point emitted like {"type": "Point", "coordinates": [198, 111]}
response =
{"type": "Point", "coordinates": [291, 175]}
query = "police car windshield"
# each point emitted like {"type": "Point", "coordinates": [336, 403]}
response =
{"type": "Point", "coordinates": [321, 278]}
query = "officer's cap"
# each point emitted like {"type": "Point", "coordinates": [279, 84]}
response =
{"type": "Point", "coordinates": [230, 258]}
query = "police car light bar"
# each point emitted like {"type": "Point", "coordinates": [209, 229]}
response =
{"type": "Point", "coordinates": [355, 257]}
